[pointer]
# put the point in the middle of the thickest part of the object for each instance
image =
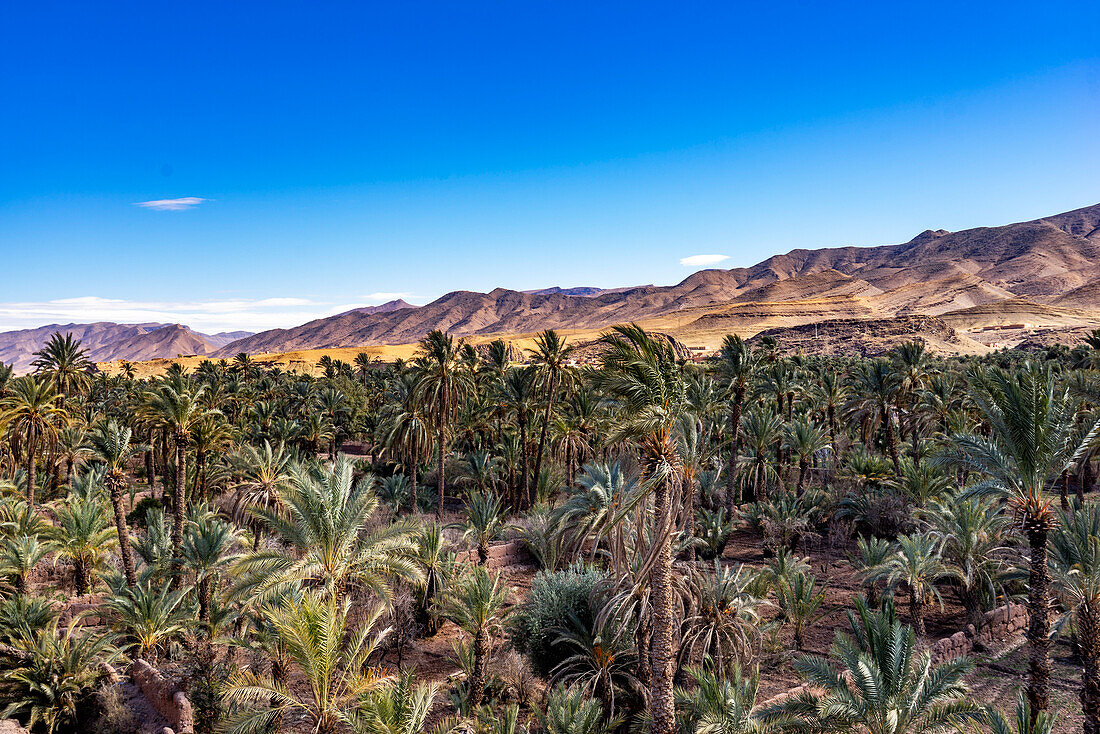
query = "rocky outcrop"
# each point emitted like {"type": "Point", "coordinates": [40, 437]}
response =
{"type": "Point", "coordinates": [166, 698]}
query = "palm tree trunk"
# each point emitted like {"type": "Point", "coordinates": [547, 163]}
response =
{"type": "Point", "coordinates": [114, 484]}
{"type": "Point", "coordinates": [179, 507]}
{"type": "Point", "coordinates": [660, 655]}
{"type": "Point", "coordinates": [1038, 630]}
{"type": "Point", "coordinates": [1088, 629]}
{"type": "Point", "coordinates": [524, 478]}
{"type": "Point", "coordinates": [891, 442]}
{"type": "Point", "coordinates": [545, 423]}
{"type": "Point", "coordinates": [735, 448]}
{"type": "Point", "coordinates": [32, 448]}
{"type": "Point", "coordinates": [477, 680]}
{"type": "Point", "coordinates": [916, 611]}
{"type": "Point", "coordinates": [439, 467]}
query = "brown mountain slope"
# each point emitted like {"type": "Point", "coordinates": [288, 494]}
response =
{"type": "Point", "coordinates": [167, 341]}
{"type": "Point", "coordinates": [105, 341]}
{"type": "Point", "coordinates": [935, 272]}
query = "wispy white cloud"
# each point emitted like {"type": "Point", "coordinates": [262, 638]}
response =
{"type": "Point", "coordinates": [374, 299]}
{"type": "Point", "coordinates": [172, 205]}
{"type": "Point", "coordinates": [228, 314]}
{"type": "Point", "coordinates": [695, 261]}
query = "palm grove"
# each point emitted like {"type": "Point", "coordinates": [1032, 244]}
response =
{"type": "Point", "coordinates": [216, 525]}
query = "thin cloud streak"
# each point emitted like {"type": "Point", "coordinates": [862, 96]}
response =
{"type": "Point", "coordinates": [171, 205]}
{"type": "Point", "coordinates": [699, 260]}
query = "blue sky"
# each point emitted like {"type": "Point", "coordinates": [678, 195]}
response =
{"type": "Point", "coordinates": [342, 153]}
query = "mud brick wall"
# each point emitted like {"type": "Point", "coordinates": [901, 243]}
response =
{"type": "Point", "coordinates": [503, 555]}
{"type": "Point", "coordinates": [168, 700]}
{"type": "Point", "coordinates": [999, 625]}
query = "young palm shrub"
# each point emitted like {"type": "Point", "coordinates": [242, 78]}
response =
{"type": "Point", "coordinates": [208, 552]}
{"type": "Point", "coordinates": [437, 567]}
{"type": "Point", "coordinates": [1075, 560]}
{"type": "Point", "coordinates": [401, 707]}
{"type": "Point", "coordinates": [55, 674]}
{"type": "Point", "coordinates": [395, 491]}
{"type": "Point", "coordinates": [916, 563]}
{"type": "Point", "coordinates": [1025, 721]}
{"type": "Point", "coordinates": [971, 534]}
{"type": "Point", "coordinates": [723, 625]}
{"type": "Point", "coordinates": [800, 600]}
{"type": "Point", "coordinates": [83, 537]}
{"type": "Point", "coordinates": [484, 522]}
{"type": "Point", "coordinates": [721, 703]}
{"type": "Point", "coordinates": [331, 656]}
{"type": "Point", "coordinates": [600, 662]}
{"type": "Point", "coordinates": [1032, 440]}
{"type": "Point", "coordinates": [870, 556]}
{"type": "Point", "coordinates": [150, 618]}
{"type": "Point", "coordinates": [877, 682]}
{"type": "Point", "coordinates": [477, 604]}
{"type": "Point", "coordinates": [713, 531]}
{"type": "Point", "coordinates": [571, 710]}
{"type": "Point", "coordinates": [19, 555]}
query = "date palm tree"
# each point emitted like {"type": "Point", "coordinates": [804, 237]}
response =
{"type": "Point", "coordinates": [323, 522]}
{"type": "Point", "coordinates": [1075, 560]}
{"type": "Point", "coordinates": [484, 522]}
{"type": "Point", "coordinates": [877, 682]}
{"type": "Point", "coordinates": [177, 406]}
{"type": "Point", "coordinates": [477, 603]}
{"type": "Point", "coordinates": [149, 615]}
{"type": "Point", "coordinates": [916, 564]}
{"type": "Point", "coordinates": [551, 358]}
{"type": "Point", "coordinates": [64, 364]}
{"type": "Point", "coordinates": [442, 380]}
{"type": "Point", "coordinates": [517, 394]}
{"type": "Point", "coordinates": [110, 443]}
{"type": "Point", "coordinates": [208, 552]}
{"type": "Point", "coordinates": [83, 536]}
{"type": "Point", "coordinates": [804, 441]}
{"type": "Point", "coordinates": [407, 427]}
{"type": "Point", "coordinates": [737, 365]}
{"type": "Point", "coordinates": [262, 473]}
{"type": "Point", "coordinates": [722, 703]}
{"type": "Point", "coordinates": [874, 396]}
{"type": "Point", "coordinates": [1032, 439]}
{"type": "Point", "coordinates": [33, 414]}
{"type": "Point", "coordinates": [331, 655]}
{"type": "Point", "coordinates": [640, 373]}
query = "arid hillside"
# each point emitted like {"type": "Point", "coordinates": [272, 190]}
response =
{"type": "Point", "coordinates": [994, 276]}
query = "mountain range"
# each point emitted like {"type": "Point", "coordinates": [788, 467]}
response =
{"type": "Point", "coordinates": [986, 287]}
{"type": "Point", "coordinates": [106, 341]}
{"type": "Point", "coordinates": [1028, 274]}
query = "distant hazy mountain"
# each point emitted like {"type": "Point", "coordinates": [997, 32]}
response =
{"type": "Point", "coordinates": [936, 272]}
{"type": "Point", "coordinates": [106, 341]}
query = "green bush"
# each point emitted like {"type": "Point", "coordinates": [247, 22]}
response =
{"type": "Point", "coordinates": [558, 602]}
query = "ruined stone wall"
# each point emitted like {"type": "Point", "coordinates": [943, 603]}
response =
{"type": "Point", "coordinates": [168, 700]}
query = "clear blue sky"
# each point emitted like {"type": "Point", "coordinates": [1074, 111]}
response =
{"type": "Point", "coordinates": [344, 151]}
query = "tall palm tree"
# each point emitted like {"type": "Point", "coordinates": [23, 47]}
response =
{"type": "Point", "coordinates": [408, 429]}
{"type": "Point", "coordinates": [1075, 559]}
{"type": "Point", "coordinates": [551, 357]}
{"type": "Point", "coordinates": [804, 441]}
{"type": "Point", "coordinates": [737, 365]}
{"type": "Point", "coordinates": [1031, 441]}
{"type": "Point", "coordinates": [33, 415]}
{"type": "Point", "coordinates": [62, 361]}
{"type": "Point", "coordinates": [110, 443]}
{"type": "Point", "coordinates": [478, 604]}
{"type": "Point", "coordinates": [875, 390]}
{"type": "Point", "coordinates": [517, 393]}
{"type": "Point", "coordinates": [641, 374]}
{"type": "Point", "coordinates": [177, 406]}
{"type": "Point", "coordinates": [332, 658]}
{"type": "Point", "coordinates": [442, 380]}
